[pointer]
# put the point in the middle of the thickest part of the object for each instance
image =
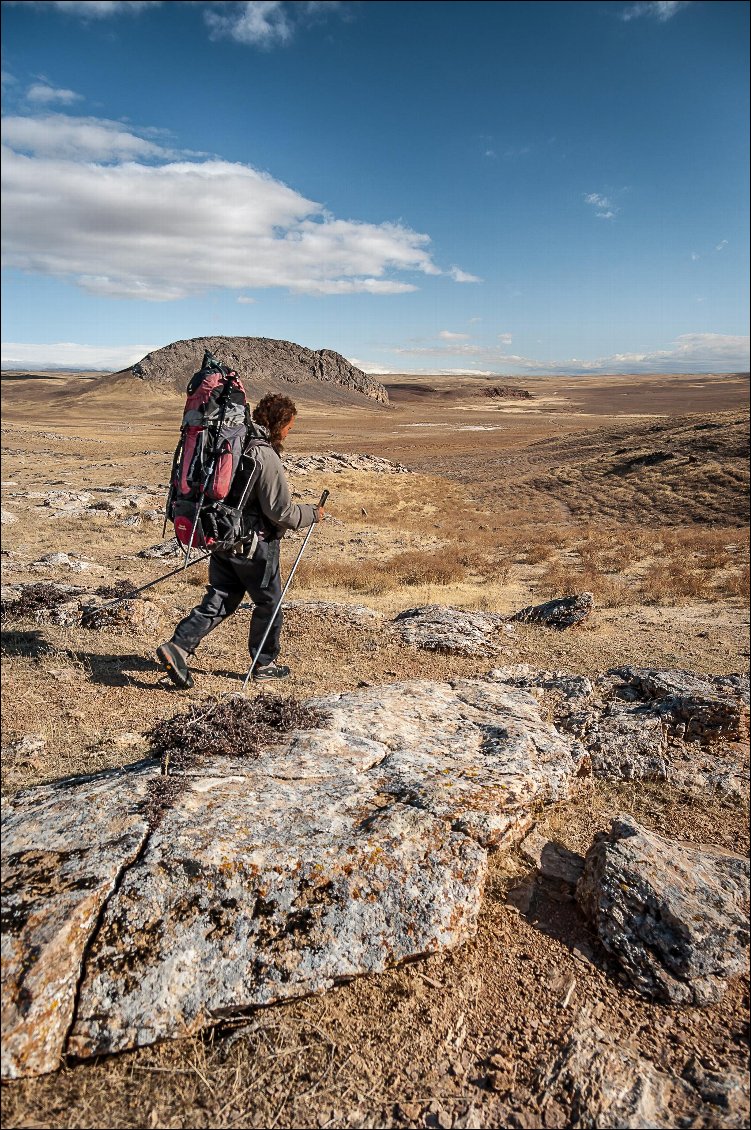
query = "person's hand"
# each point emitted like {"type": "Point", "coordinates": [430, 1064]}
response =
{"type": "Point", "coordinates": [320, 513]}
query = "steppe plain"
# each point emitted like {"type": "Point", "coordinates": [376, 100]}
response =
{"type": "Point", "coordinates": [633, 488]}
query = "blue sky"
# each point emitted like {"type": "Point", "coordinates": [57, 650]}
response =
{"type": "Point", "coordinates": [441, 187]}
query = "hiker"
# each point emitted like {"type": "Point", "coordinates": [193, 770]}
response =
{"type": "Point", "coordinates": [268, 511]}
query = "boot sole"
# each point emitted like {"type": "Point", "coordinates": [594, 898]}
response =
{"type": "Point", "coordinates": [184, 683]}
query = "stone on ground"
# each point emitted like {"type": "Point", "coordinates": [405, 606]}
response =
{"type": "Point", "coordinates": [609, 1084]}
{"type": "Point", "coordinates": [674, 916]}
{"type": "Point", "coordinates": [340, 851]}
{"type": "Point", "coordinates": [563, 612]}
{"type": "Point", "coordinates": [452, 630]}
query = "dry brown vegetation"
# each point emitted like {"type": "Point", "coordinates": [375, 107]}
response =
{"type": "Point", "coordinates": [542, 505]}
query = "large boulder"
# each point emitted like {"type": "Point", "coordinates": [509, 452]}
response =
{"type": "Point", "coordinates": [675, 917]}
{"type": "Point", "coordinates": [340, 851]}
{"type": "Point", "coordinates": [264, 364]}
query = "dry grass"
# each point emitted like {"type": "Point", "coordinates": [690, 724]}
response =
{"type": "Point", "coordinates": [403, 570]}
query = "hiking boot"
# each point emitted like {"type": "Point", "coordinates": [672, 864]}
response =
{"type": "Point", "coordinates": [175, 663]}
{"type": "Point", "coordinates": [270, 671]}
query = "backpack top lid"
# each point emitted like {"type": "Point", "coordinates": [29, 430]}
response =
{"type": "Point", "coordinates": [211, 367]}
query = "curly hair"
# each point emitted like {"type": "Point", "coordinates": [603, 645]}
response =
{"type": "Point", "coordinates": [274, 412]}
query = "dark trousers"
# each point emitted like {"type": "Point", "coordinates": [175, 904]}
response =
{"type": "Point", "coordinates": [230, 578]}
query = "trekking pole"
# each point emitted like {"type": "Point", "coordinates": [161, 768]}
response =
{"type": "Point", "coordinates": [135, 592]}
{"type": "Point", "coordinates": [259, 649]}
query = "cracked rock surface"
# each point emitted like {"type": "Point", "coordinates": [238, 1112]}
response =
{"type": "Point", "coordinates": [674, 916]}
{"type": "Point", "coordinates": [340, 851]}
{"type": "Point", "coordinates": [64, 847]}
{"type": "Point", "coordinates": [645, 724]}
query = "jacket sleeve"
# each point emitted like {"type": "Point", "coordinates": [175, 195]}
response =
{"type": "Point", "coordinates": [274, 498]}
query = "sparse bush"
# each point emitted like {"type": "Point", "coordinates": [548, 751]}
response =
{"type": "Point", "coordinates": [234, 727]}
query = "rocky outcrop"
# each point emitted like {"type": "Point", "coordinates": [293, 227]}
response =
{"type": "Point", "coordinates": [643, 723]}
{"type": "Point", "coordinates": [507, 392]}
{"type": "Point", "coordinates": [335, 462]}
{"type": "Point", "coordinates": [340, 851]}
{"type": "Point", "coordinates": [563, 612]}
{"type": "Point", "coordinates": [260, 362]}
{"type": "Point", "coordinates": [452, 630]}
{"type": "Point", "coordinates": [693, 706]}
{"type": "Point", "coordinates": [675, 917]}
{"type": "Point", "coordinates": [607, 1083]}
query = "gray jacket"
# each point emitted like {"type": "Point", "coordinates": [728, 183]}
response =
{"type": "Point", "coordinates": [270, 496]}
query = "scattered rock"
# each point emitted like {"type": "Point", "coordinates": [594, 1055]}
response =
{"type": "Point", "coordinates": [63, 561]}
{"type": "Point", "coordinates": [138, 614]}
{"type": "Point", "coordinates": [339, 851]}
{"type": "Point", "coordinates": [673, 916]}
{"type": "Point", "coordinates": [564, 612]}
{"type": "Point", "coordinates": [169, 549]}
{"type": "Point", "coordinates": [7, 518]}
{"type": "Point", "coordinates": [334, 462]}
{"type": "Point", "coordinates": [451, 630]}
{"type": "Point", "coordinates": [356, 614]}
{"type": "Point", "coordinates": [608, 1084]}
{"type": "Point", "coordinates": [552, 860]}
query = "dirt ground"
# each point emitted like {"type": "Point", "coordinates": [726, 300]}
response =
{"type": "Point", "coordinates": [634, 488]}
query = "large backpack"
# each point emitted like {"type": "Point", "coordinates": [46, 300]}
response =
{"type": "Point", "coordinates": [213, 435]}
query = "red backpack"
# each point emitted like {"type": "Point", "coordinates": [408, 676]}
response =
{"type": "Point", "coordinates": [212, 437]}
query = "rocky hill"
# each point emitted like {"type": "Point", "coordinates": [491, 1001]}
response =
{"type": "Point", "coordinates": [265, 364]}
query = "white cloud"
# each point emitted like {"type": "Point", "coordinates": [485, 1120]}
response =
{"type": "Point", "coordinates": [505, 339]}
{"type": "Point", "coordinates": [660, 10]}
{"type": "Point", "coordinates": [606, 210]}
{"type": "Point", "coordinates": [695, 257]}
{"type": "Point", "coordinates": [67, 354]}
{"type": "Point", "coordinates": [43, 92]}
{"type": "Point", "coordinates": [475, 319]}
{"type": "Point", "coordinates": [166, 231]}
{"type": "Point", "coordinates": [245, 300]}
{"type": "Point", "coordinates": [463, 276]}
{"type": "Point", "coordinates": [266, 23]}
{"type": "Point", "coordinates": [689, 353]}
{"type": "Point", "coordinates": [447, 335]}
{"type": "Point", "coordinates": [80, 139]}
{"type": "Point", "coordinates": [721, 245]}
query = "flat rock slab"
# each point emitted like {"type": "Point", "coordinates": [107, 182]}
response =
{"type": "Point", "coordinates": [340, 851]}
{"type": "Point", "coordinates": [674, 916]}
{"type": "Point", "coordinates": [452, 630]}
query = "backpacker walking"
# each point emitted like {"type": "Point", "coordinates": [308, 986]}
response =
{"type": "Point", "coordinates": [262, 501]}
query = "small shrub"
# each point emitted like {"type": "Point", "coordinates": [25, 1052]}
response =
{"type": "Point", "coordinates": [233, 727]}
{"type": "Point", "coordinates": [33, 598]}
